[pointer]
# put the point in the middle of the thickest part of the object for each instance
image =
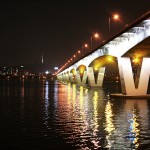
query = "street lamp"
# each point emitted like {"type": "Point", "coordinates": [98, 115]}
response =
{"type": "Point", "coordinates": [84, 46]}
{"type": "Point", "coordinates": [96, 35]}
{"type": "Point", "coordinates": [76, 54]}
{"type": "Point", "coordinates": [114, 17]}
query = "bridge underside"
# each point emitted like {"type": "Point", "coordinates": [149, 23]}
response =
{"type": "Point", "coordinates": [142, 49]}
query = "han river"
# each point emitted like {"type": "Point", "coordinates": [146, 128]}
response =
{"type": "Point", "coordinates": [46, 115]}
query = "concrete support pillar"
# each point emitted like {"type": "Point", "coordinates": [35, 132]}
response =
{"type": "Point", "coordinates": [59, 78]}
{"type": "Point", "coordinates": [121, 76]}
{"type": "Point", "coordinates": [91, 78]}
{"type": "Point", "coordinates": [67, 78]}
{"type": "Point", "coordinates": [79, 80]}
{"type": "Point", "coordinates": [63, 77]}
{"type": "Point", "coordinates": [72, 78]}
{"type": "Point", "coordinates": [126, 76]}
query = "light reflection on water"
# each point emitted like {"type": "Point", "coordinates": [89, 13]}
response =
{"type": "Point", "coordinates": [109, 123]}
{"type": "Point", "coordinates": [96, 123]}
{"type": "Point", "coordinates": [41, 114]}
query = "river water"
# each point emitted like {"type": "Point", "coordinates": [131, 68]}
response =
{"type": "Point", "coordinates": [50, 115]}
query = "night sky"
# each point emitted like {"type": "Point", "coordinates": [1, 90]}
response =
{"type": "Point", "coordinates": [58, 27]}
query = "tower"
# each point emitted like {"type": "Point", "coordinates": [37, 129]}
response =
{"type": "Point", "coordinates": [42, 61]}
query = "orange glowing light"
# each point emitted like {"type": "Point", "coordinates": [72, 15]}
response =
{"type": "Point", "coordinates": [95, 68]}
{"type": "Point", "coordinates": [135, 60]}
{"type": "Point", "coordinates": [116, 17]}
{"type": "Point", "coordinates": [96, 35]}
{"type": "Point", "coordinates": [110, 59]}
{"type": "Point", "coordinates": [85, 45]}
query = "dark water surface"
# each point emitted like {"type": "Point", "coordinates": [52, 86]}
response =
{"type": "Point", "coordinates": [49, 115]}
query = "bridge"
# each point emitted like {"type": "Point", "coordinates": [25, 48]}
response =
{"type": "Point", "coordinates": [124, 56]}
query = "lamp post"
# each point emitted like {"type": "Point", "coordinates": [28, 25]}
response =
{"type": "Point", "coordinates": [78, 52]}
{"type": "Point", "coordinates": [96, 35]}
{"type": "Point", "coordinates": [75, 56]}
{"type": "Point", "coordinates": [114, 17]}
{"type": "Point", "coordinates": [84, 46]}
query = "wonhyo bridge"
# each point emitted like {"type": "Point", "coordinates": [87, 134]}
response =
{"type": "Point", "coordinates": [126, 54]}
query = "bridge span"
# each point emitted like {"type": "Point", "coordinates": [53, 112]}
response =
{"type": "Point", "coordinates": [126, 56]}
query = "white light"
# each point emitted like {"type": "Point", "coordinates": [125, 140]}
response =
{"type": "Point", "coordinates": [47, 72]}
{"type": "Point", "coordinates": [56, 68]}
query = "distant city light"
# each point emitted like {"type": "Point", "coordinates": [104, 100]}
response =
{"type": "Point", "coordinates": [47, 72]}
{"type": "Point", "coordinates": [56, 68]}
